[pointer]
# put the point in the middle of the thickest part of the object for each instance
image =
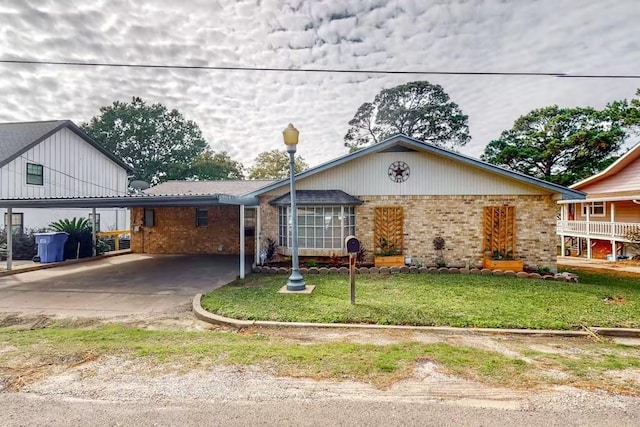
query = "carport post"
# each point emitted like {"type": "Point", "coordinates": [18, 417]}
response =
{"type": "Point", "coordinates": [93, 229]}
{"type": "Point", "coordinates": [258, 231]}
{"type": "Point", "coordinates": [242, 241]}
{"type": "Point", "coordinates": [9, 230]}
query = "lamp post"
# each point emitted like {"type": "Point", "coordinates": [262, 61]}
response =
{"type": "Point", "coordinates": [295, 282]}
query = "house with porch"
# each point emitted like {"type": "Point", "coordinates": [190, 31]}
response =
{"type": "Point", "coordinates": [597, 227]}
{"type": "Point", "coordinates": [399, 194]}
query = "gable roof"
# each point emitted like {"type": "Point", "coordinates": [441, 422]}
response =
{"type": "Point", "coordinates": [18, 138]}
{"type": "Point", "coordinates": [625, 160]}
{"type": "Point", "coordinates": [228, 187]}
{"type": "Point", "coordinates": [411, 143]}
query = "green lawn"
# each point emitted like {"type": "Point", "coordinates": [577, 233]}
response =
{"type": "Point", "coordinates": [600, 299]}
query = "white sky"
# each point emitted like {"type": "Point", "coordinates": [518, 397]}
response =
{"type": "Point", "coordinates": [245, 112]}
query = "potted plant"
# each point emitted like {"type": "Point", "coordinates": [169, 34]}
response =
{"type": "Point", "coordinates": [387, 254]}
{"type": "Point", "coordinates": [503, 260]}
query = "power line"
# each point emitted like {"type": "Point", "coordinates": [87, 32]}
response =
{"type": "Point", "coordinates": [73, 177]}
{"type": "Point", "coordinates": [322, 70]}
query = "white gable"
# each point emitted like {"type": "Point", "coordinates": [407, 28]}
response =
{"type": "Point", "coordinates": [71, 168]}
{"type": "Point", "coordinates": [430, 174]}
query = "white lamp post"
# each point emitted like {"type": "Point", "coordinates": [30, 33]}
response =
{"type": "Point", "coordinates": [295, 282]}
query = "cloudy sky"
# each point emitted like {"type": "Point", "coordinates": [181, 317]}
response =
{"type": "Point", "coordinates": [244, 112]}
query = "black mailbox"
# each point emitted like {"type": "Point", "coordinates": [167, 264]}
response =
{"type": "Point", "coordinates": [352, 244]}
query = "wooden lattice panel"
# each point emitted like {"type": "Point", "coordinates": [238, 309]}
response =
{"type": "Point", "coordinates": [500, 230]}
{"type": "Point", "coordinates": [388, 222]}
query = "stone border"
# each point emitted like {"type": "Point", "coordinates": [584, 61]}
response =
{"type": "Point", "coordinates": [561, 277]}
{"type": "Point", "coordinates": [201, 314]}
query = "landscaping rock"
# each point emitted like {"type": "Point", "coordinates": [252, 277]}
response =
{"type": "Point", "coordinates": [313, 270]}
{"type": "Point", "coordinates": [258, 269]}
{"type": "Point", "coordinates": [510, 273]}
{"type": "Point", "coordinates": [394, 270]}
{"type": "Point", "coordinates": [433, 270]}
{"type": "Point", "coordinates": [549, 277]}
{"type": "Point", "coordinates": [363, 270]}
{"type": "Point", "coordinates": [282, 270]}
{"type": "Point", "coordinates": [414, 269]}
{"type": "Point", "coordinates": [272, 270]}
{"type": "Point", "coordinates": [323, 270]}
{"type": "Point", "coordinates": [454, 270]}
{"type": "Point", "coordinates": [345, 270]}
{"type": "Point", "coordinates": [464, 271]}
{"type": "Point", "coordinates": [534, 276]}
{"type": "Point", "coordinates": [443, 270]}
{"type": "Point", "coordinates": [498, 273]}
{"type": "Point", "coordinates": [404, 269]}
{"type": "Point", "coordinates": [384, 270]}
{"type": "Point", "coordinates": [474, 271]}
{"type": "Point", "coordinates": [423, 270]}
{"type": "Point", "coordinates": [374, 270]}
{"type": "Point", "coordinates": [333, 270]}
{"type": "Point", "coordinates": [522, 274]}
{"type": "Point", "coordinates": [486, 271]}
{"type": "Point", "coordinates": [304, 270]}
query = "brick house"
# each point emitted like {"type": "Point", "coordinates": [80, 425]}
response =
{"type": "Point", "coordinates": [401, 192]}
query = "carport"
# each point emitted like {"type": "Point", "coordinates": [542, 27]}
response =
{"type": "Point", "coordinates": [142, 201]}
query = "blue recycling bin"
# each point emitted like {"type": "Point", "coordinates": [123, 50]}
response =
{"type": "Point", "coordinates": [51, 246]}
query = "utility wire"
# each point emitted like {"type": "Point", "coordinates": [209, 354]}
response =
{"type": "Point", "coordinates": [322, 70]}
{"type": "Point", "coordinates": [75, 178]}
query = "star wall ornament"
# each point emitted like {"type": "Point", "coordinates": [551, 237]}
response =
{"type": "Point", "coordinates": [399, 171]}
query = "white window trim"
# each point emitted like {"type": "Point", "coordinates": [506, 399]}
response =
{"type": "Point", "coordinates": [592, 206]}
{"type": "Point", "coordinates": [287, 217]}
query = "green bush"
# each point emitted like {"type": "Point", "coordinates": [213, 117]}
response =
{"type": "Point", "coordinates": [80, 241]}
{"type": "Point", "coordinates": [24, 244]}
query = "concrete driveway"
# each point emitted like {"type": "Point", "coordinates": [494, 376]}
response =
{"type": "Point", "coordinates": [122, 285]}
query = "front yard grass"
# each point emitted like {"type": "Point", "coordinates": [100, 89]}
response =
{"type": "Point", "coordinates": [605, 299]}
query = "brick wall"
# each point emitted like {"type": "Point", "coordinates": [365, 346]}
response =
{"type": "Point", "coordinates": [175, 232]}
{"type": "Point", "coordinates": [458, 219]}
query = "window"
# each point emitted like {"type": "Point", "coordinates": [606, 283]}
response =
{"type": "Point", "coordinates": [319, 227]}
{"type": "Point", "coordinates": [595, 209]}
{"type": "Point", "coordinates": [250, 222]}
{"type": "Point", "coordinates": [149, 218]}
{"type": "Point", "coordinates": [97, 220]}
{"type": "Point", "coordinates": [202, 217]}
{"type": "Point", "coordinates": [17, 223]}
{"type": "Point", "coordinates": [35, 175]}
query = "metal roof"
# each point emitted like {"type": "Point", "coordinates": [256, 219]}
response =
{"type": "Point", "coordinates": [230, 187]}
{"type": "Point", "coordinates": [318, 197]}
{"type": "Point", "coordinates": [408, 142]}
{"type": "Point", "coordinates": [18, 138]}
{"type": "Point", "coordinates": [129, 201]}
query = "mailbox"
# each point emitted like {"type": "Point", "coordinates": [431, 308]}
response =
{"type": "Point", "coordinates": [352, 244]}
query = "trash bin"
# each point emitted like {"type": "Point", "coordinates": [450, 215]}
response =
{"type": "Point", "coordinates": [51, 246]}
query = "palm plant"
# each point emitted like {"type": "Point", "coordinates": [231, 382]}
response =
{"type": "Point", "coordinates": [71, 226]}
{"type": "Point", "coordinates": [80, 241]}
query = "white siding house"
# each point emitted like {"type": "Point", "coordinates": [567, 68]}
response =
{"type": "Point", "coordinates": [55, 159]}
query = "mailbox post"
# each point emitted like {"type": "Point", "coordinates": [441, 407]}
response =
{"type": "Point", "coordinates": [353, 247]}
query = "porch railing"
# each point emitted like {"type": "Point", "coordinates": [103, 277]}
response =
{"type": "Point", "coordinates": [596, 228]}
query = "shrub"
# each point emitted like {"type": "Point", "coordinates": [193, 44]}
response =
{"type": "Point", "coordinates": [80, 241]}
{"type": "Point", "coordinates": [24, 244]}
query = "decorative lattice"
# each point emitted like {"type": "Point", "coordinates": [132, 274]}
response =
{"type": "Point", "coordinates": [500, 230]}
{"type": "Point", "coordinates": [388, 232]}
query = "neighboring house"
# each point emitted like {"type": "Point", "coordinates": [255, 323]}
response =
{"type": "Point", "coordinates": [400, 192]}
{"type": "Point", "coordinates": [56, 159]}
{"type": "Point", "coordinates": [596, 227]}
